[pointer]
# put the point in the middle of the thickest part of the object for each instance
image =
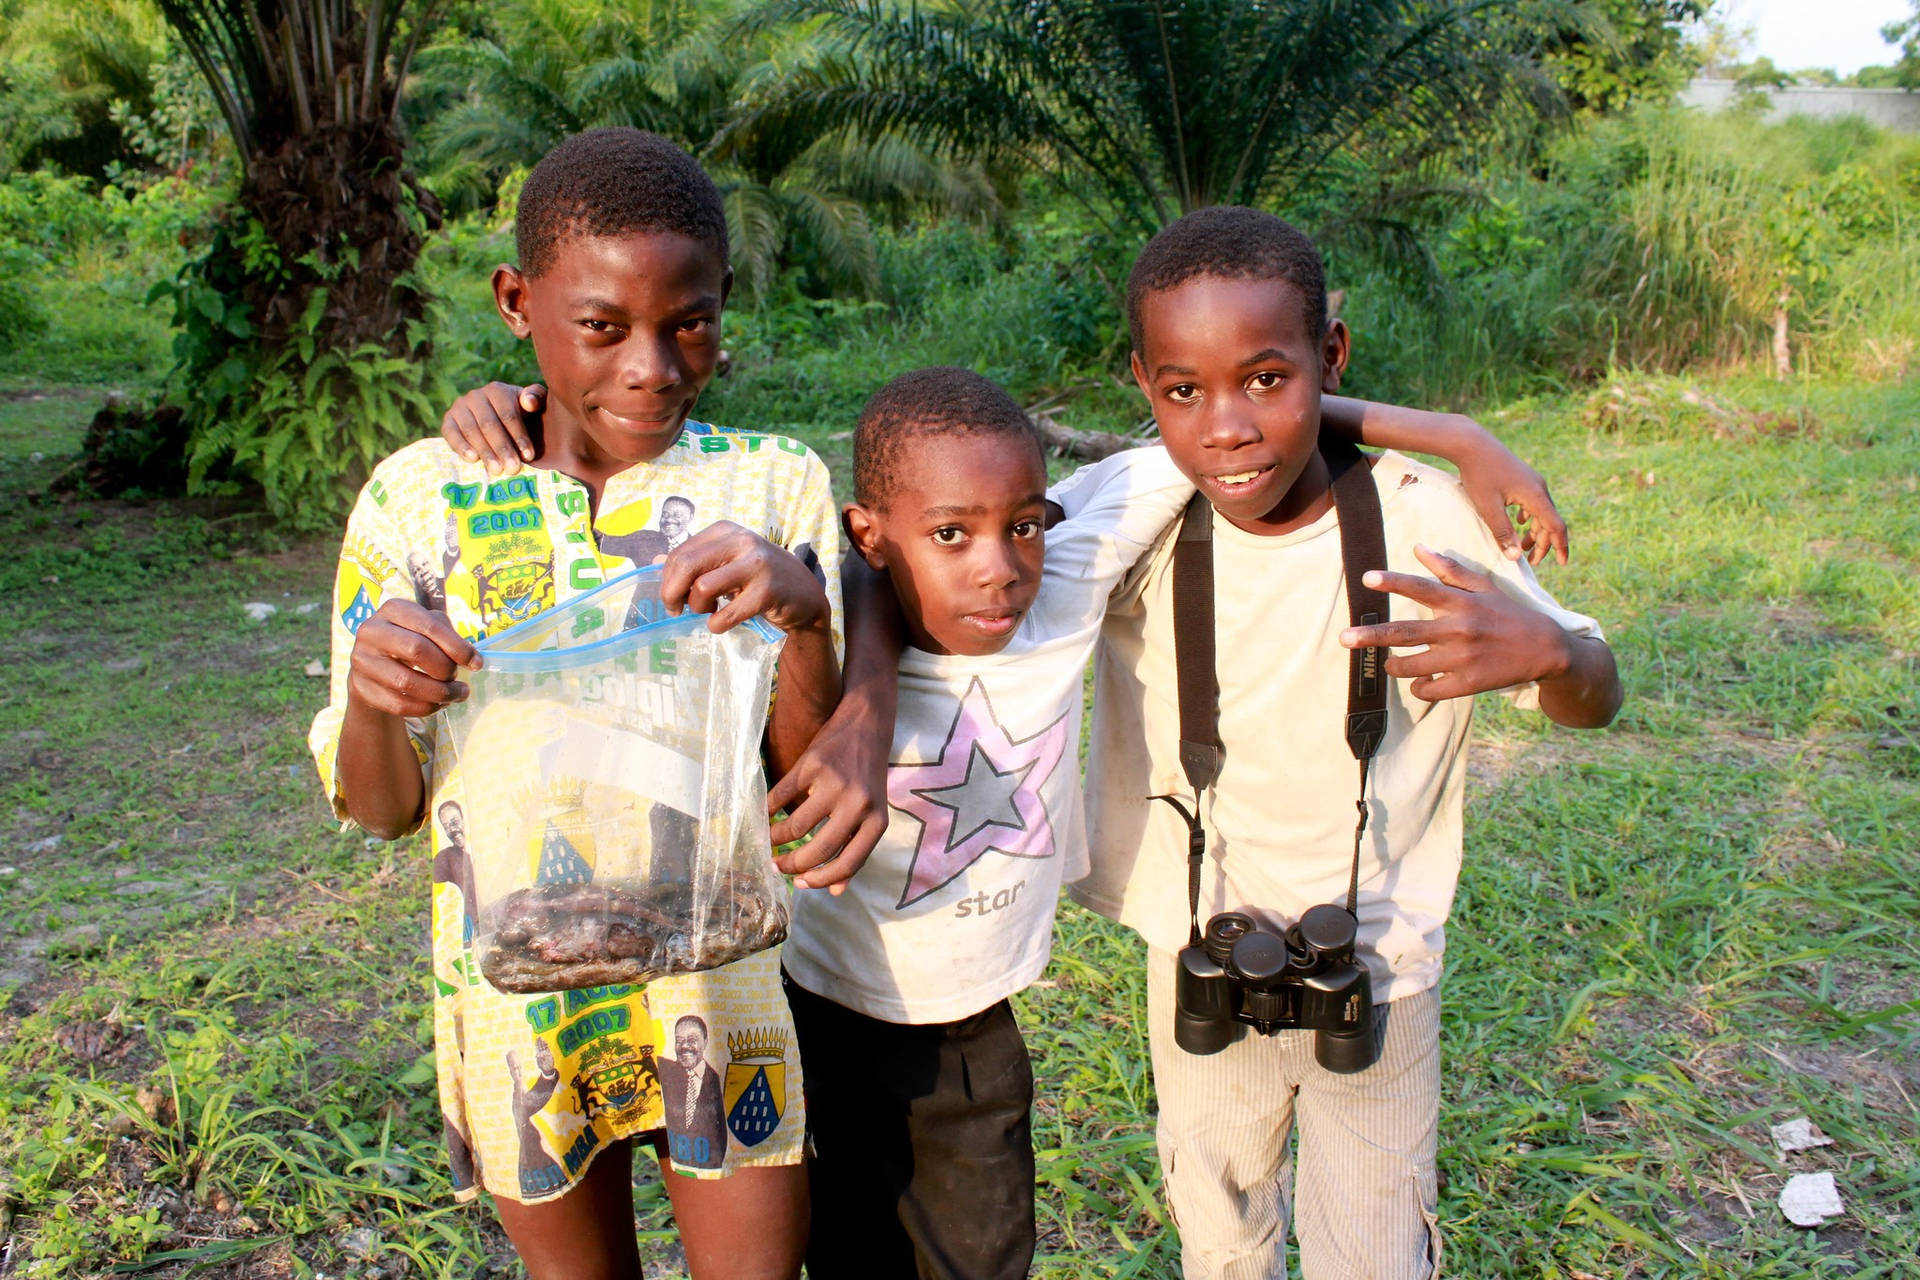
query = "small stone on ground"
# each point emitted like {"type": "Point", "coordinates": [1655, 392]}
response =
{"type": "Point", "coordinates": [1799, 1134]}
{"type": "Point", "coordinates": [1809, 1199]}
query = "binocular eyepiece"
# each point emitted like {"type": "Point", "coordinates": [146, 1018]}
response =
{"type": "Point", "coordinates": [1242, 976]}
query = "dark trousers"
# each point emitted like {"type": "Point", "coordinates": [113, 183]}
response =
{"type": "Point", "coordinates": [922, 1143]}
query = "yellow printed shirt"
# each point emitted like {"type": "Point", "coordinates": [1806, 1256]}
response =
{"type": "Point", "coordinates": [533, 1087]}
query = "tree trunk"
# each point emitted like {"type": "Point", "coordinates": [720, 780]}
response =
{"type": "Point", "coordinates": [334, 202]}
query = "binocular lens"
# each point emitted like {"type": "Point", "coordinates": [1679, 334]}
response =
{"type": "Point", "coordinates": [1223, 931]}
{"type": "Point", "coordinates": [1327, 928]}
{"type": "Point", "coordinates": [1347, 1052]}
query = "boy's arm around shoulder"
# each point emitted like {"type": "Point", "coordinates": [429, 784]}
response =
{"type": "Point", "coordinates": [1499, 485]}
{"type": "Point", "coordinates": [837, 789]}
{"type": "Point", "coordinates": [831, 772]}
{"type": "Point", "coordinates": [1112, 512]}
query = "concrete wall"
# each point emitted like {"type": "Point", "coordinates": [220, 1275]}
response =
{"type": "Point", "coordinates": [1888, 108]}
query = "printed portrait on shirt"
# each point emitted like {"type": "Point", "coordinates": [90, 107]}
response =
{"type": "Point", "coordinates": [690, 1095]}
{"type": "Point", "coordinates": [644, 531]}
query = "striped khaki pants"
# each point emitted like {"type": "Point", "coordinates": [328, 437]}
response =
{"type": "Point", "coordinates": [1362, 1193]}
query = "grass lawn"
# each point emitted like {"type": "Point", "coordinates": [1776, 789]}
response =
{"type": "Point", "coordinates": [215, 1042]}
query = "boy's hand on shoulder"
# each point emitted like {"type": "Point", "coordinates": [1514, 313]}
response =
{"type": "Point", "coordinates": [725, 560]}
{"type": "Point", "coordinates": [405, 658]}
{"type": "Point", "coordinates": [1505, 490]}
{"type": "Point", "coordinates": [843, 779]}
{"type": "Point", "coordinates": [1478, 639]}
{"type": "Point", "coordinates": [498, 424]}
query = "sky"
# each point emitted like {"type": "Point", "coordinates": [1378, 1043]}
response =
{"type": "Point", "coordinates": [1796, 34]}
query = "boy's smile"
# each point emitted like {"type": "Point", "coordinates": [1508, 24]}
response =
{"type": "Point", "coordinates": [626, 329]}
{"type": "Point", "coordinates": [1234, 379]}
{"type": "Point", "coordinates": [962, 536]}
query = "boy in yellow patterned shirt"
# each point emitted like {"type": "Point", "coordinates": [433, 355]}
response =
{"type": "Point", "coordinates": [623, 272]}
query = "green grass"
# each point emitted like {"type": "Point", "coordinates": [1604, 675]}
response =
{"type": "Point", "coordinates": [1669, 935]}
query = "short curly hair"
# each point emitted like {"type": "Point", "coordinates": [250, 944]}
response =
{"type": "Point", "coordinates": [613, 182]}
{"type": "Point", "coordinates": [1233, 243]}
{"type": "Point", "coordinates": [916, 406]}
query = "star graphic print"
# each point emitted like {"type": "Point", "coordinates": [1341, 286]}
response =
{"type": "Point", "coordinates": [981, 795]}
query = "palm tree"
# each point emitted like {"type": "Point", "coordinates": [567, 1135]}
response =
{"type": "Point", "coordinates": [310, 90]}
{"type": "Point", "coordinates": [549, 68]}
{"type": "Point", "coordinates": [306, 345]}
{"type": "Point", "coordinates": [539, 71]}
{"type": "Point", "coordinates": [1150, 108]}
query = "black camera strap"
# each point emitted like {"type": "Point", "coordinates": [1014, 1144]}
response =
{"type": "Point", "coordinates": [1363, 546]}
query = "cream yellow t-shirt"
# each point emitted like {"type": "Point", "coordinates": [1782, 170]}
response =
{"type": "Point", "coordinates": [1280, 819]}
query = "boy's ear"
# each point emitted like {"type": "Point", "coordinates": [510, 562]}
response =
{"type": "Point", "coordinates": [726, 286]}
{"type": "Point", "coordinates": [1139, 374]}
{"type": "Point", "coordinates": [863, 532]}
{"type": "Point", "coordinates": [1334, 350]}
{"type": "Point", "coordinates": [510, 298]}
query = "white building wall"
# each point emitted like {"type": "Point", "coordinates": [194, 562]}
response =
{"type": "Point", "coordinates": [1889, 108]}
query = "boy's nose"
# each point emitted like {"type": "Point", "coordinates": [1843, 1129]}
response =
{"type": "Point", "coordinates": [1229, 427]}
{"type": "Point", "coordinates": [651, 365]}
{"type": "Point", "coordinates": [997, 567]}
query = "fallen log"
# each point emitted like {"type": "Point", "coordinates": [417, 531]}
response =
{"type": "Point", "coordinates": [1088, 446]}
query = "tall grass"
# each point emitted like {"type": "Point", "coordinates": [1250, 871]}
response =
{"type": "Point", "coordinates": [1659, 241]}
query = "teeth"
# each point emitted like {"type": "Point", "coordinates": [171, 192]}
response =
{"type": "Point", "coordinates": [1240, 477]}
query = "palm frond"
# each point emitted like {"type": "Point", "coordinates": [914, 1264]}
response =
{"type": "Point", "coordinates": [757, 233]}
{"type": "Point", "coordinates": [836, 229]}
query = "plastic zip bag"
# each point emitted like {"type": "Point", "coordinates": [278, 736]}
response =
{"type": "Point", "coordinates": [615, 803]}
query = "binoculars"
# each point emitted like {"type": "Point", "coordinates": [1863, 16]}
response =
{"type": "Point", "coordinates": [1307, 979]}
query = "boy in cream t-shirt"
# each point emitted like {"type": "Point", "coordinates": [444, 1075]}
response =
{"type": "Point", "coordinates": [918, 1085]}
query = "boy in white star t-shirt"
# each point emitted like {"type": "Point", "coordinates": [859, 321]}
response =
{"type": "Point", "coordinates": [918, 1083]}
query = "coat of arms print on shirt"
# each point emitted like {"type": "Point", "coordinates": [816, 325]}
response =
{"type": "Point", "coordinates": [982, 794]}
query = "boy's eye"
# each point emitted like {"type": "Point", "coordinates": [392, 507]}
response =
{"type": "Point", "coordinates": [950, 536]}
{"type": "Point", "coordinates": [1266, 380]}
{"type": "Point", "coordinates": [1181, 392]}
{"type": "Point", "coordinates": [1027, 529]}
{"type": "Point", "coordinates": [597, 326]}
{"type": "Point", "coordinates": [698, 326]}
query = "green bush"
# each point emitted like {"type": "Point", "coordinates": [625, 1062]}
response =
{"type": "Point", "coordinates": [303, 425]}
{"type": "Point", "coordinates": [471, 345]}
{"type": "Point", "coordinates": [22, 318]}
{"type": "Point", "coordinates": [77, 262]}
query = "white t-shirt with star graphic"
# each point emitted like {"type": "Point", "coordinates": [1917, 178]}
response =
{"type": "Point", "coordinates": [954, 910]}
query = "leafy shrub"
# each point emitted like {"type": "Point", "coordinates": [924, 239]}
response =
{"type": "Point", "coordinates": [304, 426]}
{"type": "Point", "coordinates": [308, 432]}
{"type": "Point", "coordinates": [22, 318]}
{"type": "Point", "coordinates": [471, 345]}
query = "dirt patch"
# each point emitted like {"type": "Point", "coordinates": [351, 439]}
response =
{"type": "Point", "coordinates": [1662, 408]}
{"type": "Point", "coordinates": [1494, 762]}
{"type": "Point", "coordinates": [29, 395]}
{"type": "Point", "coordinates": [1885, 1080]}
